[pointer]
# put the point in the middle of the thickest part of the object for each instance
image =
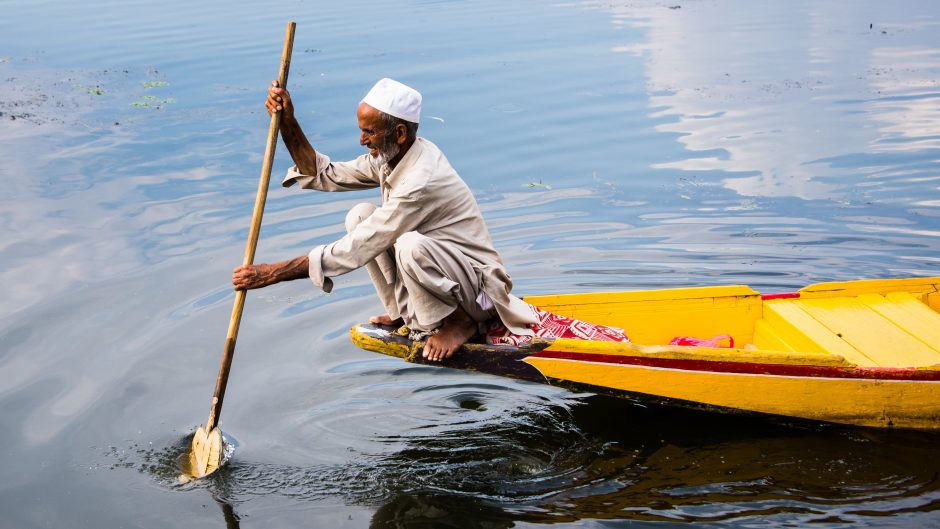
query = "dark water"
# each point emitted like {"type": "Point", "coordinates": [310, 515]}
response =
{"type": "Point", "coordinates": [611, 145]}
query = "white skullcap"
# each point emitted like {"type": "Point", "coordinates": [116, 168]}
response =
{"type": "Point", "coordinates": [395, 99]}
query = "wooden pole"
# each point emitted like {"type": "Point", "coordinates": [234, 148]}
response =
{"type": "Point", "coordinates": [229, 352]}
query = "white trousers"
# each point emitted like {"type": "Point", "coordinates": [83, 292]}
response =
{"type": "Point", "coordinates": [422, 280]}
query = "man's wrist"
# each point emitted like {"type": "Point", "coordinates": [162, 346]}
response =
{"type": "Point", "coordinates": [288, 120]}
{"type": "Point", "coordinates": [296, 268]}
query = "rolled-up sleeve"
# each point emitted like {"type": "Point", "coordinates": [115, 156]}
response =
{"type": "Point", "coordinates": [316, 270]}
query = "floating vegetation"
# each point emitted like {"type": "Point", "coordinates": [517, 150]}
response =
{"type": "Point", "coordinates": [539, 184]}
{"type": "Point", "coordinates": [93, 90]}
{"type": "Point", "coordinates": [149, 101]}
{"type": "Point", "coordinates": [153, 101]}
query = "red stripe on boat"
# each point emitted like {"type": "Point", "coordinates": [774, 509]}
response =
{"type": "Point", "coordinates": [782, 295]}
{"type": "Point", "coordinates": [750, 368]}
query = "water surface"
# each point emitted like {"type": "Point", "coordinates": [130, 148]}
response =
{"type": "Point", "coordinates": [611, 146]}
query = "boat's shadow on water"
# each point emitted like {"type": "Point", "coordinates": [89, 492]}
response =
{"type": "Point", "coordinates": [606, 458]}
{"type": "Point", "coordinates": [653, 463]}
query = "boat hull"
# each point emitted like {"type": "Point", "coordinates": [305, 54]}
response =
{"type": "Point", "coordinates": [864, 353]}
{"type": "Point", "coordinates": [898, 398]}
{"type": "Point", "coordinates": [892, 398]}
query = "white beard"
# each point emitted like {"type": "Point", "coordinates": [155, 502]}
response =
{"type": "Point", "coordinates": [387, 153]}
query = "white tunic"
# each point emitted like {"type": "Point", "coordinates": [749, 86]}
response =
{"type": "Point", "coordinates": [423, 194]}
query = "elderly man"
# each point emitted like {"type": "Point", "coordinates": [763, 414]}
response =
{"type": "Point", "coordinates": [425, 247]}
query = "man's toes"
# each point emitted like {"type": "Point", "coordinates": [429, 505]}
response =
{"type": "Point", "coordinates": [385, 319]}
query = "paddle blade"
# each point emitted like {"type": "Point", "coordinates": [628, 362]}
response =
{"type": "Point", "coordinates": [214, 451]}
{"type": "Point", "coordinates": [207, 453]}
{"type": "Point", "coordinates": [199, 455]}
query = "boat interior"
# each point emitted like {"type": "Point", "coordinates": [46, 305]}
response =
{"type": "Point", "coordinates": [886, 323]}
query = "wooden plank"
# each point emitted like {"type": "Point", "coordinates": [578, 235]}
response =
{"type": "Point", "coordinates": [866, 402]}
{"type": "Point", "coordinates": [933, 301]}
{"type": "Point", "coordinates": [909, 313]}
{"type": "Point", "coordinates": [867, 331]}
{"type": "Point", "coordinates": [920, 285]}
{"type": "Point", "coordinates": [804, 333]}
{"type": "Point", "coordinates": [641, 295]}
{"type": "Point", "coordinates": [767, 337]}
{"type": "Point", "coordinates": [686, 353]}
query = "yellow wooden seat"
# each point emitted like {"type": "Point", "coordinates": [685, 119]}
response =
{"type": "Point", "coordinates": [894, 329]}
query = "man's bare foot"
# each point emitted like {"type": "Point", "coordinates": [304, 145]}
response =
{"type": "Point", "coordinates": [457, 329]}
{"type": "Point", "coordinates": [385, 319]}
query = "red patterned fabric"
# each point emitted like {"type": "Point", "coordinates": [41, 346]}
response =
{"type": "Point", "coordinates": [554, 326]}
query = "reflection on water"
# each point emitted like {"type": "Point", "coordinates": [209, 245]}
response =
{"type": "Point", "coordinates": [602, 458]}
{"type": "Point", "coordinates": [748, 101]}
{"type": "Point", "coordinates": [611, 145]}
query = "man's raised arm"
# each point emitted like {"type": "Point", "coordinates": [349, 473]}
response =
{"type": "Point", "coordinates": [300, 149]}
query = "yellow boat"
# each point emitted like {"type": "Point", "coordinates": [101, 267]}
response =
{"type": "Point", "coordinates": [863, 352]}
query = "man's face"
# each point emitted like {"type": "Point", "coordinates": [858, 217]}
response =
{"type": "Point", "coordinates": [371, 129]}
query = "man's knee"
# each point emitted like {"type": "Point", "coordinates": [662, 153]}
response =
{"type": "Point", "coordinates": [357, 214]}
{"type": "Point", "coordinates": [410, 250]}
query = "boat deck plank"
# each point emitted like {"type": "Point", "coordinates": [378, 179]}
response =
{"type": "Point", "coordinates": [907, 312]}
{"type": "Point", "coordinates": [866, 330]}
{"type": "Point", "coordinates": [767, 337]}
{"type": "Point", "coordinates": [802, 332]}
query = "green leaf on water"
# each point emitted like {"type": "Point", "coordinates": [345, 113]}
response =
{"type": "Point", "coordinates": [539, 184]}
{"type": "Point", "coordinates": [153, 101]}
{"type": "Point", "coordinates": [93, 90]}
{"type": "Point", "coordinates": [154, 84]}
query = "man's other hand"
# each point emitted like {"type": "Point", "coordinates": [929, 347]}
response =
{"type": "Point", "coordinates": [247, 277]}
